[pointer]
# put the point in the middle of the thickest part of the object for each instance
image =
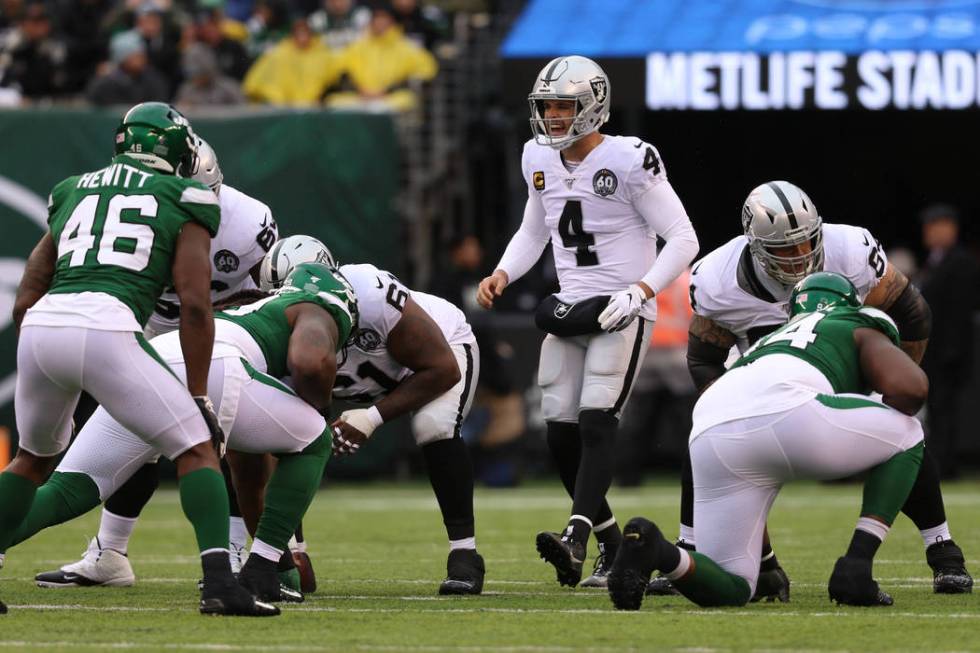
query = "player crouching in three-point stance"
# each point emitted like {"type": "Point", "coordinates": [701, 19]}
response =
{"type": "Point", "coordinates": [789, 409]}
{"type": "Point", "coordinates": [603, 201]}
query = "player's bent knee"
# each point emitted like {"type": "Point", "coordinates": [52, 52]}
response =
{"type": "Point", "coordinates": [197, 457]}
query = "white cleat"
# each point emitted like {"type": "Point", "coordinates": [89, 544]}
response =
{"type": "Point", "coordinates": [98, 568]}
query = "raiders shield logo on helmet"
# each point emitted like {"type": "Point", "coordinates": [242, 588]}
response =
{"type": "Point", "coordinates": [599, 89]}
{"type": "Point", "coordinates": [604, 182]}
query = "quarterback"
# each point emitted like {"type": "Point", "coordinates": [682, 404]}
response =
{"type": "Point", "coordinates": [602, 201]}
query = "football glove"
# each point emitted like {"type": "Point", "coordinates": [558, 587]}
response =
{"type": "Point", "coordinates": [622, 309]}
{"type": "Point", "coordinates": [217, 435]}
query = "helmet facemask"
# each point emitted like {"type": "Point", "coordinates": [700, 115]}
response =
{"type": "Point", "coordinates": [790, 270]}
{"type": "Point", "coordinates": [584, 122]}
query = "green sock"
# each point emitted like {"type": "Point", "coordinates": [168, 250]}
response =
{"type": "Point", "coordinates": [888, 485]}
{"type": "Point", "coordinates": [205, 502]}
{"type": "Point", "coordinates": [65, 496]}
{"type": "Point", "coordinates": [16, 496]}
{"type": "Point", "coordinates": [290, 492]}
{"type": "Point", "coordinates": [710, 586]}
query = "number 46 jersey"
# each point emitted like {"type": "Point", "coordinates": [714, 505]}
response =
{"type": "Point", "coordinates": [600, 242]}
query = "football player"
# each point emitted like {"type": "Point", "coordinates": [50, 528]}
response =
{"type": "Point", "coordinates": [295, 332]}
{"type": "Point", "coordinates": [247, 231]}
{"type": "Point", "coordinates": [794, 406]}
{"type": "Point", "coordinates": [118, 236]}
{"type": "Point", "coordinates": [602, 201]}
{"type": "Point", "coordinates": [739, 293]}
{"type": "Point", "coordinates": [412, 353]}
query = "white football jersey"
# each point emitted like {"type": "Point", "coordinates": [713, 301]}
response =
{"type": "Point", "coordinates": [726, 287]}
{"type": "Point", "coordinates": [367, 372]}
{"type": "Point", "coordinates": [600, 243]}
{"type": "Point", "coordinates": [246, 232]}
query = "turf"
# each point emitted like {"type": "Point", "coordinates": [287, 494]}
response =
{"type": "Point", "coordinates": [379, 553]}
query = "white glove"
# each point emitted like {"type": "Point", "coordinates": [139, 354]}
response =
{"type": "Point", "coordinates": [622, 309]}
{"type": "Point", "coordinates": [364, 420]}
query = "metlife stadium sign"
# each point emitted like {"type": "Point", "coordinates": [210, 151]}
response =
{"type": "Point", "coordinates": [775, 54]}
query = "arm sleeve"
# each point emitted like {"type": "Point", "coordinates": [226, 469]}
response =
{"type": "Point", "coordinates": [525, 247]}
{"type": "Point", "coordinates": [663, 211]}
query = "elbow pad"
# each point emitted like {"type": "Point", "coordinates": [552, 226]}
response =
{"type": "Point", "coordinates": [912, 314]}
{"type": "Point", "coordinates": [705, 362]}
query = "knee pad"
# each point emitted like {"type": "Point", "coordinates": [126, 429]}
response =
{"type": "Point", "coordinates": [597, 427]}
{"type": "Point", "coordinates": [428, 428]}
{"type": "Point", "coordinates": [559, 384]}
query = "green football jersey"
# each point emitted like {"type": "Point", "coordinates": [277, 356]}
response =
{"type": "Point", "coordinates": [265, 320]}
{"type": "Point", "coordinates": [116, 230]}
{"type": "Point", "coordinates": [825, 339]}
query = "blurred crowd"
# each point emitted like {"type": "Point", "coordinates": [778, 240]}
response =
{"type": "Point", "coordinates": [373, 54]}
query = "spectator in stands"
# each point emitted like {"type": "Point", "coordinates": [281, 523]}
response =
{"type": "Point", "coordinates": [950, 283]}
{"type": "Point", "coordinates": [382, 65]}
{"type": "Point", "coordinates": [231, 56]}
{"type": "Point", "coordinates": [296, 72]}
{"type": "Point", "coordinates": [162, 39]}
{"type": "Point", "coordinates": [268, 25]}
{"type": "Point", "coordinates": [340, 22]}
{"type": "Point", "coordinates": [130, 79]}
{"type": "Point", "coordinates": [426, 25]}
{"type": "Point", "coordinates": [32, 60]}
{"type": "Point", "coordinates": [82, 26]}
{"type": "Point", "coordinates": [204, 83]}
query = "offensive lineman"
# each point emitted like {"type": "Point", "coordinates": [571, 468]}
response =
{"type": "Point", "coordinates": [603, 201]}
{"type": "Point", "coordinates": [117, 237]}
{"type": "Point", "coordinates": [412, 353]}
{"type": "Point", "coordinates": [247, 231]}
{"type": "Point", "coordinates": [739, 293]}
{"type": "Point", "coordinates": [795, 406]}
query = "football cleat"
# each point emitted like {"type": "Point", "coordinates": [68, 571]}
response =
{"type": "Point", "coordinates": [233, 600]}
{"type": "Point", "coordinates": [290, 579]}
{"type": "Point", "coordinates": [307, 577]}
{"type": "Point", "coordinates": [949, 574]}
{"type": "Point", "coordinates": [773, 585]}
{"type": "Point", "coordinates": [98, 568]}
{"type": "Point", "coordinates": [851, 584]}
{"type": "Point", "coordinates": [464, 573]}
{"type": "Point", "coordinates": [600, 571]}
{"type": "Point", "coordinates": [259, 577]}
{"type": "Point", "coordinates": [638, 556]}
{"type": "Point", "coordinates": [661, 586]}
{"type": "Point", "coordinates": [564, 554]}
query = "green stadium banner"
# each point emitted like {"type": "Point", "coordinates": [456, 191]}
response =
{"type": "Point", "coordinates": [330, 175]}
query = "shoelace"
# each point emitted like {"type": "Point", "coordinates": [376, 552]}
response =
{"type": "Point", "coordinates": [600, 563]}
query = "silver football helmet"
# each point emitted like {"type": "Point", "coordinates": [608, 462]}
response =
{"type": "Point", "coordinates": [569, 78]}
{"type": "Point", "coordinates": [779, 215]}
{"type": "Point", "coordinates": [287, 254]}
{"type": "Point", "coordinates": [206, 169]}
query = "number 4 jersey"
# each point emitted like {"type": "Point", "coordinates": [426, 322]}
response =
{"type": "Point", "coordinates": [116, 233]}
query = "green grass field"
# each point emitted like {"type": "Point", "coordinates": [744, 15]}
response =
{"type": "Point", "coordinates": [379, 553]}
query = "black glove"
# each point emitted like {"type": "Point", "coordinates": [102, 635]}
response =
{"type": "Point", "coordinates": [217, 435]}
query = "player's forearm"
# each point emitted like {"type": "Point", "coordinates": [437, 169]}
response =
{"type": "Point", "coordinates": [708, 345]}
{"type": "Point", "coordinates": [314, 385]}
{"type": "Point", "coordinates": [673, 259]}
{"type": "Point", "coordinates": [526, 246]}
{"type": "Point", "coordinates": [417, 390]}
{"type": "Point", "coordinates": [662, 210]}
{"type": "Point", "coordinates": [915, 349]}
{"type": "Point", "coordinates": [37, 277]}
{"type": "Point", "coordinates": [196, 343]}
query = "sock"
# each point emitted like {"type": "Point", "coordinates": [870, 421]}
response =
{"type": "Point", "coordinates": [674, 569]}
{"type": "Point", "coordinates": [768, 562]}
{"type": "Point", "coordinates": [237, 533]}
{"type": "Point", "coordinates": [924, 505]}
{"type": "Point", "coordinates": [868, 536]}
{"type": "Point", "coordinates": [708, 585]}
{"type": "Point", "coordinates": [566, 449]}
{"type": "Point", "coordinates": [135, 493]}
{"type": "Point", "coordinates": [595, 472]}
{"type": "Point", "coordinates": [578, 528]}
{"type": "Point", "coordinates": [263, 550]}
{"type": "Point", "coordinates": [115, 531]}
{"type": "Point", "coordinates": [687, 496]}
{"type": "Point", "coordinates": [290, 492]}
{"type": "Point", "coordinates": [285, 562]}
{"type": "Point", "coordinates": [686, 537]}
{"type": "Point", "coordinates": [16, 495]}
{"type": "Point", "coordinates": [451, 476]}
{"type": "Point", "coordinates": [465, 543]}
{"type": "Point", "coordinates": [216, 568]}
{"type": "Point", "coordinates": [64, 496]}
{"type": "Point", "coordinates": [609, 536]}
{"type": "Point", "coordinates": [930, 536]}
{"type": "Point", "coordinates": [205, 503]}
{"type": "Point", "coordinates": [888, 484]}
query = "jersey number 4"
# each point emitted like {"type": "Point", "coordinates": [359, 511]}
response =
{"type": "Point", "coordinates": [574, 235]}
{"type": "Point", "coordinates": [126, 244]}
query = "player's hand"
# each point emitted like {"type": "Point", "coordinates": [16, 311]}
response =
{"type": "Point", "coordinates": [622, 309]}
{"type": "Point", "coordinates": [217, 435]}
{"type": "Point", "coordinates": [347, 440]}
{"type": "Point", "coordinates": [491, 287]}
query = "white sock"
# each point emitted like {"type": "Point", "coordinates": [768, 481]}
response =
{"type": "Point", "coordinates": [939, 533]}
{"type": "Point", "coordinates": [266, 551]}
{"type": "Point", "coordinates": [237, 533]}
{"type": "Point", "coordinates": [296, 545]}
{"type": "Point", "coordinates": [465, 543]}
{"type": "Point", "coordinates": [682, 567]}
{"type": "Point", "coordinates": [874, 527]}
{"type": "Point", "coordinates": [686, 534]}
{"type": "Point", "coordinates": [115, 531]}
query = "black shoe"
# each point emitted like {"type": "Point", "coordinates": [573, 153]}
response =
{"type": "Point", "coordinates": [3, 608]}
{"type": "Point", "coordinates": [851, 584]}
{"type": "Point", "coordinates": [773, 585]}
{"type": "Point", "coordinates": [233, 600]}
{"type": "Point", "coordinates": [661, 586]}
{"type": "Point", "coordinates": [464, 573]}
{"type": "Point", "coordinates": [259, 577]}
{"type": "Point", "coordinates": [566, 555]}
{"type": "Point", "coordinates": [637, 558]}
{"type": "Point", "coordinates": [949, 574]}
{"type": "Point", "coordinates": [600, 571]}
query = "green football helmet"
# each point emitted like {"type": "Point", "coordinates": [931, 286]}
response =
{"type": "Point", "coordinates": [158, 136]}
{"type": "Point", "coordinates": [327, 283]}
{"type": "Point", "coordinates": [822, 290]}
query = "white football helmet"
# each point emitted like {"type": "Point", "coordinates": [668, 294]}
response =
{"type": "Point", "coordinates": [287, 254]}
{"type": "Point", "coordinates": [206, 169]}
{"type": "Point", "coordinates": [779, 214]}
{"type": "Point", "coordinates": [569, 78]}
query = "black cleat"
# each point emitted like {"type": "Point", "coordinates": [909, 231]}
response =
{"type": "Point", "coordinates": [307, 577]}
{"type": "Point", "coordinates": [600, 571]}
{"type": "Point", "coordinates": [233, 600]}
{"type": "Point", "coordinates": [566, 555]}
{"type": "Point", "coordinates": [464, 573]}
{"type": "Point", "coordinates": [260, 578]}
{"type": "Point", "coordinates": [773, 585]}
{"type": "Point", "coordinates": [661, 586]}
{"type": "Point", "coordinates": [3, 608]}
{"type": "Point", "coordinates": [637, 558]}
{"type": "Point", "coordinates": [949, 574]}
{"type": "Point", "coordinates": [851, 584]}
